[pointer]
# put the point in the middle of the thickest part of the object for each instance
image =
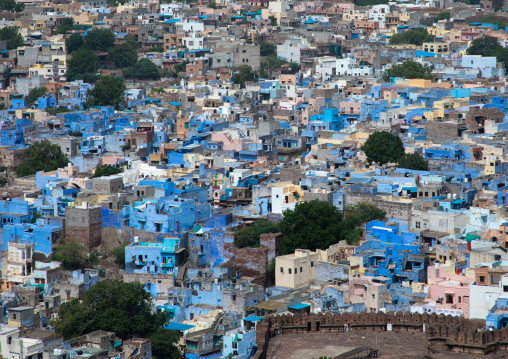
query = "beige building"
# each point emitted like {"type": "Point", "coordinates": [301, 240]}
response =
{"type": "Point", "coordinates": [296, 269]}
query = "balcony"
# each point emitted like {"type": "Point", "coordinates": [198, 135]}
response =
{"type": "Point", "coordinates": [140, 263]}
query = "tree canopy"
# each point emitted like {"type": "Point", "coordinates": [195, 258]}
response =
{"type": "Point", "coordinates": [409, 70]}
{"type": "Point", "coordinates": [67, 24]}
{"type": "Point", "coordinates": [488, 46]}
{"type": "Point", "coordinates": [383, 147]}
{"type": "Point", "coordinates": [41, 156]}
{"type": "Point", "coordinates": [445, 15]}
{"type": "Point", "coordinates": [73, 255]}
{"type": "Point", "coordinates": [416, 36]}
{"type": "Point", "coordinates": [311, 225]}
{"type": "Point", "coordinates": [109, 91]}
{"type": "Point", "coordinates": [83, 62]}
{"type": "Point", "coordinates": [74, 42]}
{"type": "Point", "coordinates": [111, 305]}
{"type": "Point", "coordinates": [143, 69]}
{"type": "Point", "coordinates": [106, 170]}
{"type": "Point", "coordinates": [244, 74]}
{"type": "Point", "coordinates": [99, 40]}
{"type": "Point", "coordinates": [413, 161]}
{"type": "Point", "coordinates": [266, 48]}
{"type": "Point", "coordinates": [34, 94]}
{"type": "Point", "coordinates": [250, 236]}
{"type": "Point", "coordinates": [318, 224]}
{"type": "Point", "coordinates": [12, 36]}
{"type": "Point", "coordinates": [123, 55]}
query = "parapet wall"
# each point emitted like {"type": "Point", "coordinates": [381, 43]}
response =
{"type": "Point", "coordinates": [456, 333]}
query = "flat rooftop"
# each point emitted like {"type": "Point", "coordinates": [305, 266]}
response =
{"type": "Point", "coordinates": [390, 345]}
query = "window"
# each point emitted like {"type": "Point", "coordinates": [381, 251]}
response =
{"type": "Point", "coordinates": [289, 270]}
{"type": "Point", "coordinates": [482, 278]}
{"type": "Point", "coordinates": [312, 264]}
{"type": "Point", "coordinates": [296, 270]}
{"type": "Point", "coordinates": [282, 269]}
{"type": "Point", "coordinates": [301, 269]}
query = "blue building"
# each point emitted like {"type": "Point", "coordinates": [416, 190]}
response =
{"type": "Point", "coordinates": [391, 253]}
{"type": "Point", "coordinates": [154, 257]}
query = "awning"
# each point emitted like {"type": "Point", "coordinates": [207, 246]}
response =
{"type": "Point", "coordinates": [299, 306]}
{"type": "Point", "coordinates": [198, 229]}
{"type": "Point", "coordinates": [458, 201]}
{"type": "Point", "coordinates": [472, 237]}
{"type": "Point", "coordinates": [410, 189]}
{"type": "Point", "coordinates": [252, 319]}
{"type": "Point", "coordinates": [178, 326]}
{"type": "Point", "coordinates": [118, 344]}
{"type": "Point", "coordinates": [176, 103]}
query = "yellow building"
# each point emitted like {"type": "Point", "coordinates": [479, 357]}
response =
{"type": "Point", "coordinates": [296, 269]}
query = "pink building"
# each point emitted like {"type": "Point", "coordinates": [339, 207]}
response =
{"type": "Point", "coordinates": [448, 290]}
{"type": "Point", "coordinates": [352, 108]}
{"type": "Point", "coordinates": [228, 143]}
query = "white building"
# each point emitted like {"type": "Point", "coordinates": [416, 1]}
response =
{"type": "Point", "coordinates": [378, 13]}
{"type": "Point", "coordinates": [290, 50]}
{"type": "Point", "coordinates": [483, 297]}
{"type": "Point", "coordinates": [347, 67]}
{"type": "Point", "coordinates": [285, 196]}
{"type": "Point", "coordinates": [193, 42]}
{"type": "Point", "coordinates": [326, 67]}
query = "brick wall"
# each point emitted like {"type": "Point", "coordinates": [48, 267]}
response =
{"type": "Point", "coordinates": [251, 262]}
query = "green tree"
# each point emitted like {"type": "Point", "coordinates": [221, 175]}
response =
{"type": "Point", "coordinates": [143, 69]}
{"type": "Point", "coordinates": [41, 156]}
{"type": "Point", "coordinates": [111, 305]}
{"type": "Point", "coordinates": [156, 49]}
{"type": "Point", "coordinates": [266, 48]}
{"type": "Point", "coordinates": [109, 91]}
{"type": "Point", "coordinates": [12, 36]}
{"type": "Point", "coordinates": [99, 40]}
{"type": "Point", "coordinates": [34, 94]}
{"type": "Point", "coordinates": [123, 55]}
{"type": "Point", "coordinates": [56, 110]}
{"type": "Point", "coordinates": [370, 2]}
{"type": "Point", "coordinates": [413, 161]}
{"type": "Point", "coordinates": [416, 36]}
{"type": "Point", "coordinates": [383, 147]}
{"type": "Point", "coordinates": [73, 255]}
{"type": "Point", "coordinates": [8, 5]}
{"type": "Point", "coordinates": [270, 272]}
{"type": "Point", "coordinates": [355, 217]}
{"type": "Point", "coordinates": [164, 344]}
{"type": "Point", "coordinates": [212, 4]}
{"type": "Point", "coordinates": [182, 66]}
{"type": "Point", "coordinates": [250, 235]}
{"type": "Point", "coordinates": [244, 74]}
{"type": "Point", "coordinates": [445, 15]}
{"type": "Point", "coordinates": [74, 42]}
{"type": "Point", "coordinates": [75, 133]}
{"type": "Point", "coordinates": [311, 225]}
{"type": "Point", "coordinates": [273, 20]}
{"type": "Point", "coordinates": [106, 170]}
{"type": "Point", "coordinates": [133, 41]}
{"type": "Point", "coordinates": [82, 62]}
{"type": "Point", "coordinates": [19, 7]}
{"type": "Point", "coordinates": [67, 24]}
{"type": "Point", "coordinates": [119, 253]}
{"type": "Point", "coordinates": [116, 2]}
{"type": "Point", "coordinates": [409, 70]}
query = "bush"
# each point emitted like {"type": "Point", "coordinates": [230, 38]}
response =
{"type": "Point", "coordinates": [143, 69]}
{"type": "Point", "coordinates": [383, 147]}
{"type": "Point", "coordinates": [41, 156]}
{"type": "Point", "coordinates": [250, 236]}
{"type": "Point", "coordinates": [416, 36]}
{"type": "Point", "coordinates": [409, 70]}
{"type": "Point", "coordinates": [106, 170]}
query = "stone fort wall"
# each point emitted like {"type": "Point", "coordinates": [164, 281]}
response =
{"type": "Point", "coordinates": [450, 333]}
